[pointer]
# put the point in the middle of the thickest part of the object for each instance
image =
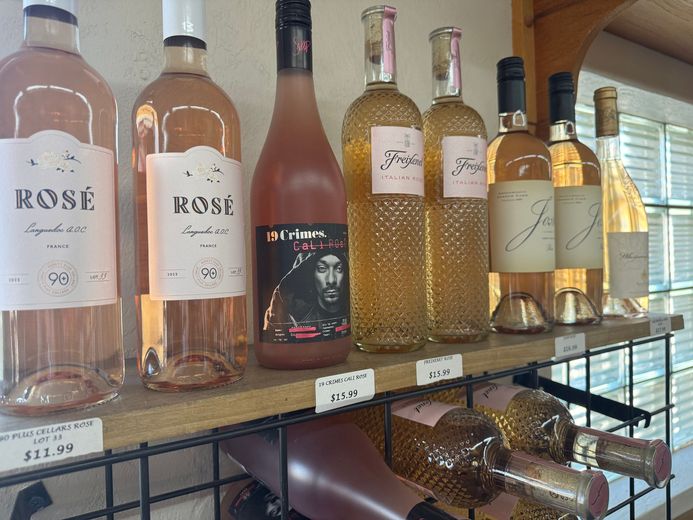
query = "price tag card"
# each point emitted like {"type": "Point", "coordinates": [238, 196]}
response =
{"type": "Point", "coordinates": [51, 443]}
{"type": "Point", "coordinates": [570, 345]}
{"type": "Point", "coordinates": [344, 389]}
{"type": "Point", "coordinates": [437, 369]}
{"type": "Point", "coordinates": [659, 324]}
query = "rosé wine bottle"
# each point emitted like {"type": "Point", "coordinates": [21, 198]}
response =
{"type": "Point", "coordinates": [191, 275]}
{"type": "Point", "coordinates": [61, 342]}
{"type": "Point", "coordinates": [334, 472]}
{"type": "Point", "coordinates": [298, 218]}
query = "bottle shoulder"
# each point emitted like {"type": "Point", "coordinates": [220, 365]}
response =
{"type": "Point", "coordinates": [453, 118]}
{"type": "Point", "coordinates": [381, 107]}
{"type": "Point", "coordinates": [518, 156]}
{"type": "Point", "coordinates": [574, 164]}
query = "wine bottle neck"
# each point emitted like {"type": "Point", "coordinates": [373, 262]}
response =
{"type": "Point", "coordinates": [50, 27]}
{"type": "Point", "coordinates": [562, 131]}
{"type": "Point", "coordinates": [295, 98]}
{"type": "Point", "coordinates": [185, 54]}
{"type": "Point", "coordinates": [638, 458]}
{"type": "Point", "coordinates": [380, 60]}
{"type": "Point", "coordinates": [447, 76]}
{"type": "Point", "coordinates": [609, 148]}
{"type": "Point", "coordinates": [294, 47]}
{"type": "Point", "coordinates": [512, 122]}
{"type": "Point", "coordinates": [584, 494]}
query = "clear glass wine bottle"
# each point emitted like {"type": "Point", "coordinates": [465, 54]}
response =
{"type": "Point", "coordinates": [456, 203]}
{"type": "Point", "coordinates": [61, 340]}
{"type": "Point", "coordinates": [189, 212]}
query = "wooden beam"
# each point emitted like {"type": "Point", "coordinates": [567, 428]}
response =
{"type": "Point", "coordinates": [563, 30]}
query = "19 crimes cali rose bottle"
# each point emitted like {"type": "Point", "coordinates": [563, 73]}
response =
{"type": "Point", "coordinates": [60, 329]}
{"type": "Point", "coordinates": [298, 218]}
{"type": "Point", "coordinates": [191, 274]}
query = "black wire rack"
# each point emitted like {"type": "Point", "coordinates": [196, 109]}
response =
{"type": "Point", "coordinates": [33, 499]}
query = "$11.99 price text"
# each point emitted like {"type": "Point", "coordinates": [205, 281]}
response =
{"type": "Point", "coordinates": [45, 453]}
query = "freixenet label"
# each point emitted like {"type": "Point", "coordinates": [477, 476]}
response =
{"type": "Point", "coordinates": [521, 219]}
{"type": "Point", "coordinates": [195, 225]}
{"type": "Point", "coordinates": [579, 243]}
{"type": "Point", "coordinates": [303, 282]}
{"type": "Point", "coordinates": [397, 160]}
{"type": "Point", "coordinates": [58, 244]}
{"type": "Point", "coordinates": [628, 264]}
{"type": "Point", "coordinates": [424, 411]}
{"type": "Point", "coordinates": [464, 167]}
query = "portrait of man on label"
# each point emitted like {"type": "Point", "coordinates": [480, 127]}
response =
{"type": "Point", "coordinates": [314, 292]}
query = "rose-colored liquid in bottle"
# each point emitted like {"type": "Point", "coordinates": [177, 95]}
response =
{"type": "Point", "coordinates": [298, 219]}
{"type": "Point", "coordinates": [61, 337]}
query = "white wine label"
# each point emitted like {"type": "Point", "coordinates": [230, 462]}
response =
{"type": "Point", "coordinates": [196, 239]}
{"type": "Point", "coordinates": [50, 443]}
{"type": "Point", "coordinates": [422, 411]}
{"type": "Point", "coordinates": [569, 346]}
{"type": "Point", "coordinates": [522, 228]}
{"type": "Point", "coordinates": [437, 369]}
{"type": "Point", "coordinates": [659, 325]}
{"type": "Point", "coordinates": [494, 396]}
{"type": "Point", "coordinates": [344, 389]}
{"type": "Point", "coordinates": [397, 160]}
{"type": "Point", "coordinates": [58, 243]}
{"type": "Point", "coordinates": [464, 167]}
{"type": "Point", "coordinates": [579, 243]}
{"type": "Point", "coordinates": [628, 264]}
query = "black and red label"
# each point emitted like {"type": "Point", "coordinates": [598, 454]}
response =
{"type": "Point", "coordinates": [303, 282]}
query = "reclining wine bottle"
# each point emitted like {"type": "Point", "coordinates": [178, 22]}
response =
{"type": "Point", "coordinates": [457, 456]}
{"type": "Point", "coordinates": [538, 423]}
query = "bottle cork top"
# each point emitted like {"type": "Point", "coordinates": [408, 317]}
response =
{"type": "Point", "coordinates": [606, 114]}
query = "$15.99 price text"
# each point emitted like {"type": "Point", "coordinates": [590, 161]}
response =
{"type": "Point", "coordinates": [342, 396]}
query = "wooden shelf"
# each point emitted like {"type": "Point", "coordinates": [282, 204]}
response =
{"type": "Point", "coordinates": [140, 415]}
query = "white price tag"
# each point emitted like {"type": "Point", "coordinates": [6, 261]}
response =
{"type": "Point", "coordinates": [659, 325]}
{"type": "Point", "coordinates": [437, 369]}
{"type": "Point", "coordinates": [51, 443]}
{"type": "Point", "coordinates": [344, 389]}
{"type": "Point", "coordinates": [570, 345]}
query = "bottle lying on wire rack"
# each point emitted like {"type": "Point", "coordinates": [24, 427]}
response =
{"type": "Point", "coordinates": [334, 472]}
{"type": "Point", "coordinates": [249, 500]}
{"type": "Point", "coordinates": [538, 423]}
{"type": "Point", "coordinates": [508, 507]}
{"type": "Point", "coordinates": [457, 456]}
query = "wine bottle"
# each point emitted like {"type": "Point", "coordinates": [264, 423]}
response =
{"type": "Point", "coordinates": [456, 203]}
{"type": "Point", "coordinates": [508, 507]}
{"type": "Point", "coordinates": [60, 312]}
{"type": "Point", "coordinates": [382, 146]}
{"type": "Point", "coordinates": [334, 472]}
{"type": "Point", "coordinates": [189, 213]}
{"type": "Point", "coordinates": [626, 249]}
{"type": "Point", "coordinates": [457, 456]}
{"type": "Point", "coordinates": [298, 218]}
{"type": "Point", "coordinates": [521, 212]}
{"type": "Point", "coordinates": [536, 422]}
{"type": "Point", "coordinates": [578, 207]}
{"type": "Point", "coordinates": [250, 500]}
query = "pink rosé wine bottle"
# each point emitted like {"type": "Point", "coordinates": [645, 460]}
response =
{"type": "Point", "coordinates": [60, 318]}
{"type": "Point", "coordinates": [191, 275]}
{"type": "Point", "coordinates": [298, 218]}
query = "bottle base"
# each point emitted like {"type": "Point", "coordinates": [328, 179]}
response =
{"type": "Point", "coordinates": [520, 313]}
{"type": "Point", "coordinates": [623, 308]}
{"type": "Point", "coordinates": [294, 356]}
{"type": "Point", "coordinates": [57, 389]}
{"type": "Point", "coordinates": [379, 348]}
{"type": "Point", "coordinates": [456, 337]}
{"type": "Point", "coordinates": [192, 371]}
{"type": "Point", "coordinates": [573, 307]}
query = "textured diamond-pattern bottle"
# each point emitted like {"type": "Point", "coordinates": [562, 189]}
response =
{"type": "Point", "coordinates": [521, 210]}
{"type": "Point", "coordinates": [456, 205]}
{"type": "Point", "coordinates": [537, 423]}
{"type": "Point", "coordinates": [382, 147]}
{"type": "Point", "coordinates": [507, 507]}
{"type": "Point", "coordinates": [577, 184]}
{"type": "Point", "coordinates": [457, 456]}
